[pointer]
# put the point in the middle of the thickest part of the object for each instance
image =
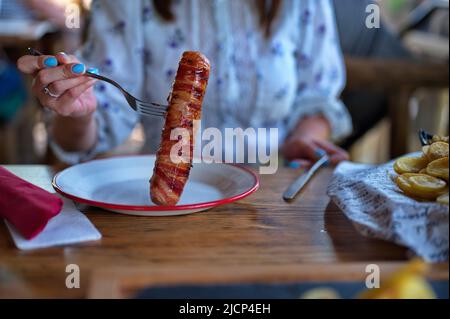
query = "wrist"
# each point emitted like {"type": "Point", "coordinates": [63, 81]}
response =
{"type": "Point", "coordinates": [84, 119]}
{"type": "Point", "coordinates": [75, 134]}
{"type": "Point", "coordinates": [315, 126]}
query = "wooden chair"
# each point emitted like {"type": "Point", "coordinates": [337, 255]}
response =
{"type": "Point", "coordinates": [398, 79]}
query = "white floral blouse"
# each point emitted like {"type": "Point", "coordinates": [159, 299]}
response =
{"type": "Point", "coordinates": [255, 82]}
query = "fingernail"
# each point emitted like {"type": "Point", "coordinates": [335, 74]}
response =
{"type": "Point", "coordinates": [93, 71]}
{"type": "Point", "coordinates": [320, 152]}
{"type": "Point", "coordinates": [294, 164]}
{"type": "Point", "coordinates": [50, 62]}
{"type": "Point", "coordinates": [78, 68]}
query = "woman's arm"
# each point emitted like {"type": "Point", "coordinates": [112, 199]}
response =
{"type": "Point", "coordinates": [314, 125]}
{"type": "Point", "coordinates": [75, 135]}
{"type": "Point", "coordinates": [319, 115]}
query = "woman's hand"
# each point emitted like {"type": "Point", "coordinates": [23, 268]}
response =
{"type": "Point", "coordinates": [309, 141]}
{"type": "Point", "coordinates": [305, 150]}
{"type": "Point", "coordinates": [59, 84]}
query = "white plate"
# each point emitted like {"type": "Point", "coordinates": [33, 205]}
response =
{"type": "Point", "coordinates": [121, 184]}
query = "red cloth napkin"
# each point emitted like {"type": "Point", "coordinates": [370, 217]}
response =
{"type": "Point", "coordinates": [25, 205]}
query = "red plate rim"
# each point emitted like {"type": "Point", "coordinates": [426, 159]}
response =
{"type": "Point", "coordinates": [220, 202]}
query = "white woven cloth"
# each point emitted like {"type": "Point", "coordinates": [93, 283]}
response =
{"type": "Point", "coordinates": [372, 201]}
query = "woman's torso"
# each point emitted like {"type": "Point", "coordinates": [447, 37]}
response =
{"type": "Point", "coordinates": [255, 80]}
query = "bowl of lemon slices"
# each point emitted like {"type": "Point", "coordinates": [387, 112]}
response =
{"type": "Point", "coordinates": [425, 177]}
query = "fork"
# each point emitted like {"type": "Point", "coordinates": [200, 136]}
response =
{"type": "Point", "coordinates": [425, 137]}
{"type": "Point", "coordinates": [141, 107]}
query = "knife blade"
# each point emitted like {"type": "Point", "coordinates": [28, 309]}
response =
{"type": "Point", "coordinates": [303, 179]}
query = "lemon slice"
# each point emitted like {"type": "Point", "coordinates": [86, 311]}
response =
{"type": "Point", "coordinates": [421, 186]}
{"type": "Point", "coordinates": [404, 184]}
{"type": "Point", "coordinates": [410, 164]}
{"type": "Point", "coordinates": [437, 150]}
{"type": "Point", "coordinates": [439, 168]}
{"type": "Point", "coordinates": [437, 138]}
{"type": "Point", "coordinates": [426, 183]}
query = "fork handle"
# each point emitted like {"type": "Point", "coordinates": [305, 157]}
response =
{"type": "Point", "coordinates": [35, 52]}
{"type": "Point", "coordinates": [303, 179]}
{"type": "Point", "coordinates": [105, 79]}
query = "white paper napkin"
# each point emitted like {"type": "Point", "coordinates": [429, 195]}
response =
{"type": "Point", "coordinates": [70, 226]}
{"type": "Point", "coordinates": [368, 197]}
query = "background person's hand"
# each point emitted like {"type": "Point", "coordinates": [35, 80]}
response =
{"type": "Point", "coordinates": [309, 142]}
{"type": "Point", "coordinates": [71, 93]}
{"type": "Point", "coordinates": [305, 150]}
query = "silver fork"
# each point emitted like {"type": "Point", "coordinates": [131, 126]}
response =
{"type": "Point", "coordinates": [143, 108]}
{"type": "Point", "coordinates": [425, 137]}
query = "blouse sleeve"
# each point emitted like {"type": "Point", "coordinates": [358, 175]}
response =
{"type": "Point", "coordinates": [115, 47]}
{"type": "Point", "coordinates": [319, 56]}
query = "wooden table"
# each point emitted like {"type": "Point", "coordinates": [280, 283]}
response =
{"type": "Point", "coordinates": [260, 238]}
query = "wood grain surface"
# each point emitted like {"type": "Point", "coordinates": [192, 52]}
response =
{"type": "Point", "coordinates": [260, 234]}
{"type": "Point", "coordinates": [118, 282]}
{"type": "Point", "coordinates": [390, 74]}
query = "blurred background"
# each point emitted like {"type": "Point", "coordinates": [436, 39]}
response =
{"type": "Point", "coordinates": [397, 74]}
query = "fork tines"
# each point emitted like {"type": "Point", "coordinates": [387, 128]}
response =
{"type": "Point", "coordinates": [151, 109]}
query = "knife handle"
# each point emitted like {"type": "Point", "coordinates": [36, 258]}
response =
{"type": "Point", "coordinates": [303, 179]}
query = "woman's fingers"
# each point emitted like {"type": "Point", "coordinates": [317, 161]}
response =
{"type": "Point", "coordinates": [59, 83]}
{"type": "Point", "coordinates": [65, 104]}
{"type": "Point", "coordinates": [30, 64]}
{"type": "Point", "coordinates": [311, 149]}
{"type": "Point", "coordinates": [67, 100]}
{"type": "Point", "coordinates": [296, 148]}
{"type": "Point", "coordinates": [64, 72]}
{"type": "Point", "coordinates": [298, 164]}
{"type": "Point", "coordinates": [336, 153]}
{"type": "Point", "coordinates": [336, 159]}
{"type": "Point", "coordinates": [339, 157]}
{"type": "Point", "coordinates": [327, 146]}
{"type": "Point", "coordinates": [52, 85]}
{"type": "Point", "coordinates": [64, 58]}
{"type": "Point", "coordinates": [61, 86]}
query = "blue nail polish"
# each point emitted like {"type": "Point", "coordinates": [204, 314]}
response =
{"type": "Point", "coordinates": [50, 62]}
{"type": "Point", "coordinates": [78, 68]}
{"type": "Point", "coordinates": [93, 71]}
{"type": "Point", "coordinates": [320, 152]}
{"type": "Point", "coordinates": [294, 165]}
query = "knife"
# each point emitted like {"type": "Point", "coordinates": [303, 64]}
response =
{"type": "Point", "coordinates": [301, 181]}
